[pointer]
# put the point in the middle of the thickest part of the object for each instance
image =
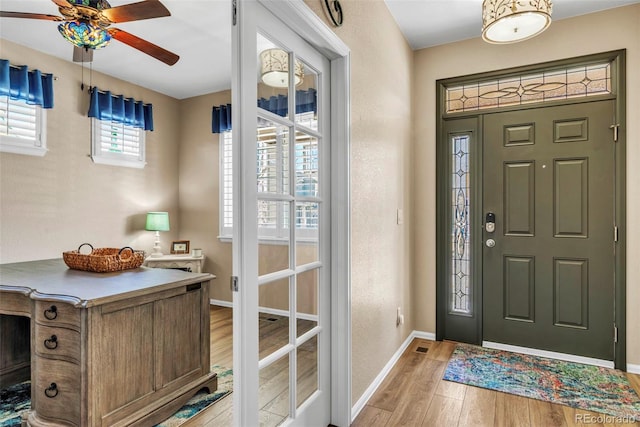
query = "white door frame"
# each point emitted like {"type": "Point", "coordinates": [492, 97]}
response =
{"type": "Point", "coordinates": [302, 20]}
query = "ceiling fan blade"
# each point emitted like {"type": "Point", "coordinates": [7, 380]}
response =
{"type": "Point", "coordinates": [136, 11]}
{"type": "Point", "coordinates": [30, 16]}
{"type": "Point", "coordinates": [142, 45]}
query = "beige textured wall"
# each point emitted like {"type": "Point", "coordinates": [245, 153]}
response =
{"type": "Point", "coordinates": [54, 203]}
{"type": "Point", "coordinates": [593, 33]}
{"type": "Point", "coordinates": [381, 180]}
{"type": "Point", "coordinates": [199, 185]}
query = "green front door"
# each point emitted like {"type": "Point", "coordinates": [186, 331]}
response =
{"type": "Point", "coordinates": [548, 267]}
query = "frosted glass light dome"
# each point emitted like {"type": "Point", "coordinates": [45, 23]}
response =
{"type": "Point", "coordinates": [509, 21]}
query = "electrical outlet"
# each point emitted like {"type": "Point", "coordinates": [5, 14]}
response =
{"type": "Point", "coordinates": [400, 216]}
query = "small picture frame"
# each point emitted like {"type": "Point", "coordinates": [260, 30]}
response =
{"type": "Point", "coordinates": [180, 247]}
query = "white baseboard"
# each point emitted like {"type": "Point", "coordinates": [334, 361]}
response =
{"type": "Point", "coordinates": [549, 354]}
{"type": "Point", "coordinates": [633, 369]}
{"type": "Point", "coordinates": [267, 310]}
{"type": "Point", "coordinates": [424, 335]}
{"type": "Point", "coordinates": [221, 303]}
{"type": "Point", "coordinates": [368, 393]}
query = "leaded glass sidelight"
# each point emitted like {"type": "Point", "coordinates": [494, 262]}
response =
{"type": "Point", "coordinates": [460, 279]}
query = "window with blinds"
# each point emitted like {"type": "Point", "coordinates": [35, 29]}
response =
{"type": "Point", "coordinates": [272, 168]}
{"type": "Point", "coordinates": [117, 144]}
{"type": "Point", "coordinates": [22, 127]}
{"type": "Point", "coordinates": [226, 185]}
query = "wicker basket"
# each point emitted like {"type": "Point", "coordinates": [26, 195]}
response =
{"type": "Point", "coordinates": [103, 260]}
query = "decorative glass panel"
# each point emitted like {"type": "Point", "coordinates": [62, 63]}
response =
{"type": "Point", "coordinates": [460, 281]}
{"type": "Point", "coordinates": [576, 82]}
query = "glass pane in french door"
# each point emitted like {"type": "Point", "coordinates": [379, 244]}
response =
{"type": "Point", "coordinates": [273, 78]}
{"type": "Point", "coordinates": [274, 399]}
{"type": "Point", "coordinates": [306, 98]}
{"type": "Point", "coordinates": [306, 301]}
{"type": "Point", "coordinates": [273, 318]}
{"type": "Point", "coordinates": [307, 372]}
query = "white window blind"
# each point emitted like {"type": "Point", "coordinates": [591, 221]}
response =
{"type": "Point", "coordinates": [22, 127]}
{"type": "Point", "coordinates": [226, 185]}
{"type": "Point", "coordinates": [117, 144]}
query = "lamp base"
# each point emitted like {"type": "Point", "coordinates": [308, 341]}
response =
{"type": "Point", "coordinates": [157, 251]}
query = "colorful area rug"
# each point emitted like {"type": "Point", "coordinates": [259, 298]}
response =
{"type": "Point", "coordinates": [572, 384]}
{"type": "Point", "coordinates": [16, 399]}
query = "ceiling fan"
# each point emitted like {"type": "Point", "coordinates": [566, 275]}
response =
{"type": "Point", "coordinates": [86, 24]}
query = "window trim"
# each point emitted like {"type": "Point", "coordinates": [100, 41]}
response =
{"type": "Point", "coordinates": [113, 159]}
{"type": "Point", "coordinates": [30, 147]}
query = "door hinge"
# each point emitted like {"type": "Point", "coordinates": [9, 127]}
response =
{"type": "Point", "coordinates": [615, 233]}
{"type": "Point", "coordinates": [234, 12]}
{"type": "Point", "coordinates": [615, 128]}
{"type": "Point", "coordinates": [234, 283]}
{"type": "Point", "coordinates": [615, 334]}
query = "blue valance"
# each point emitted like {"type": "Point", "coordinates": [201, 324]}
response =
{"type": "Point", "coordinates": [306, 101]}
{"type": "Point", "coordinates": [117, 108]}
{"type": "Point", "coordinates": [33, 87]}
{"type": "Point", "coordinates": [221, 119]}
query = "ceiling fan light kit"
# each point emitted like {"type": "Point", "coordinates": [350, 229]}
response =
{"type": "Point", "coordinates": [510, 21]}
{"type": "Point", "coordinates": [274, 69]}
{"type": "Point", "coordinates": [86, 24]}
{"type": "Point", "coordinates": [84, 34]}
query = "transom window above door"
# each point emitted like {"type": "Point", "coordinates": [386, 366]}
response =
{"type": "Point", "coordinates": [550, 85]}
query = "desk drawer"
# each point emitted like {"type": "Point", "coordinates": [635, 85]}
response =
{"type": "Point", "coordinates": [54, 313]}
{"type": "Point", "coordinates": [57, 390]}
{"type": "Point", "coordinates": [59, 343]}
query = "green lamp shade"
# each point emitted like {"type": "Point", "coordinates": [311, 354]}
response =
{"type": "Point", "coordinates": [157, 221]}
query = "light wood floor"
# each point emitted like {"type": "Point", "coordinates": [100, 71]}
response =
{"type": "Point", "coordinates": [413, 394]}
{"type": "Point", "coordinates": [273, 394]}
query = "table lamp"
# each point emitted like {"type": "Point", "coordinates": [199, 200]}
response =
{"type": "Point", "coordinates": [157, 221]}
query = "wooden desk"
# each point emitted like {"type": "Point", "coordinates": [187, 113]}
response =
{"type": "Point", "coordinates": [112, 349]}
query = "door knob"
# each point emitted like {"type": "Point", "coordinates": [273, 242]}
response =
{"type": "Point", "coordinates": [490, 243]}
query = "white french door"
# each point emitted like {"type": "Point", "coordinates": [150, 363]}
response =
{"type": "Point", "coordinates": [281, 249]}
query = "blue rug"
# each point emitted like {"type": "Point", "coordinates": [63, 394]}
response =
{"type": "Point", "coordinates": [16, 399]}
{"type": "Point", "coordinates": [566, 383]}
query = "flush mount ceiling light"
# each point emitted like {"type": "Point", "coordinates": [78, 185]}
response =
{"type": "Point", "coordinates": [274, 69]}
{"type": "Point", "coordinates": [509, 21]}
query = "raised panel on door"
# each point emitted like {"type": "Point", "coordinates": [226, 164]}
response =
{"type": "Point", "coordinates": [556, 195]}
{"type": "Point", "coordinates": [571, 197]}
{"type": "Point", "coordinates": [519, 288]}
{"type": "Point", "coordinates": [519, 198]}
{"type": "Point", "coordinates": [571, 293]}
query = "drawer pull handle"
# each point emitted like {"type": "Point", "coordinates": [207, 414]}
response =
{"type": "Point", "coordinates": [51, 313]}
{"type": "Point", "coordinates": [51, 343]}
{"type": "Point", "coordinates": [51, 391]}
